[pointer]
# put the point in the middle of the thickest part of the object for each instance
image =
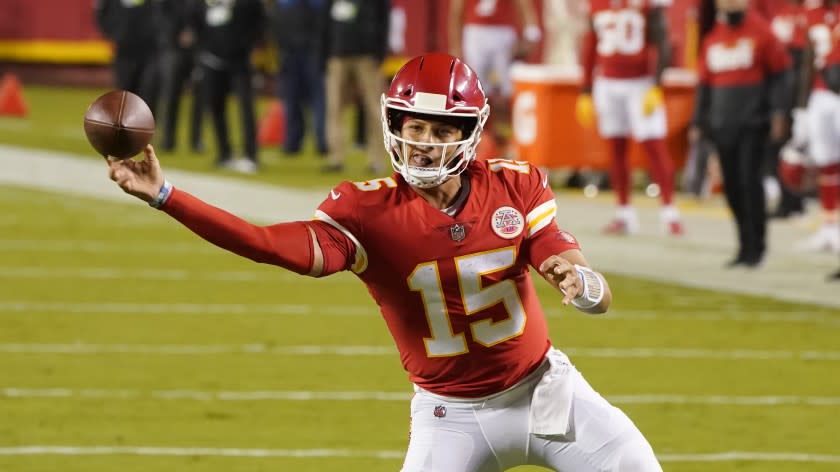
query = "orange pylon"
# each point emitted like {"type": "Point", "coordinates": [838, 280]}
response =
{"type": "Point", "coordinates": [11, 97]}
{"type": "Point", "coordinates": [272, 129]}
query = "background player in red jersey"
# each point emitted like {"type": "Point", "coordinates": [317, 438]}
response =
{"type": "Point", "coordinates": [789, 23]}
{"type": "Point", "coordinates": [831, 76]}
{"type": "Point", "coordinates": [822, 136]}
{"type": "Point", "coordinates": [485, 33]}
{"type": "Point", "coordinates": [628, 97]}
{"type": "Point", "coordinates": [444, 246]}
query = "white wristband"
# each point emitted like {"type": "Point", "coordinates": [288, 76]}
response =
{"type": "Point", "coordinates": [593, 288]}
{"type": "Point", "coordinates": [162, 196]}
{"type": "Point", "coordinates": [532, 33]}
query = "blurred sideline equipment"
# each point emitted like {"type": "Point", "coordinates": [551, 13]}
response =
{"type": "Point", "coordinates": [119, 124]}
{"type": "Point", "coordinates": [11, 97]}
{"type": "Point", "coordinates": [272, 128]}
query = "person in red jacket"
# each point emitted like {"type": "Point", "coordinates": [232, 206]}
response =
{"type": "Point", "coordinates": [444, 247]}
{"type": "Point", "coordinates": [627, 95]}
{"type": "Point", "coordinates": [744, 92]}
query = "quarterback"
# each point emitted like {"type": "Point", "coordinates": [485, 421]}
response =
{"type": "Point", "coordinates": [444, 246]}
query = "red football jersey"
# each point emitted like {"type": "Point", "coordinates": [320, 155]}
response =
{"type": "Point", "coordinates": [623, 42]}
{"type": "Point", "coordinates": [790, 24]}
{"type": "Point", "coordinates": [742, 55]}
{"type": "Point", "coordinates": [490, 12]}
{"type": "Point", "coordinates": [823, 25]}
{"type": "Point", "coordinates": [456, 291]}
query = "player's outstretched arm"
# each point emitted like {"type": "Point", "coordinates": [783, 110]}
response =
{"type": "Point", "coordinates": [581, 286]}
{"type": "Point", "coordinates": [294, 245]}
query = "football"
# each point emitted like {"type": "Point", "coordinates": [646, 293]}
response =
{"type": "Point", "coordinates": [119, 124]}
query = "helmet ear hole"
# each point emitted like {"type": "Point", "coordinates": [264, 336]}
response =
{"type": "Point", "coordinates": [409, 91]}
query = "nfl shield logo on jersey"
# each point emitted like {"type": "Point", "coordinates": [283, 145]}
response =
{"type": "Point", "coordinates": [440, 411]}
{"type": "Point", "coordinates": [457, 232]}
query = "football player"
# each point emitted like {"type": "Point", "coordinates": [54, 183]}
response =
{"type": "Point", "coordinates": [627, 96]}
{"type": "Point", "coordinates": [444, 246]}
{"type": "Point", "coordinates": [831, 76]}
{"type": "Point", "coordinates": [823, 134]}
{"type": "Point", "coordinates": [789, 24]}
{"type": "Point", "coordinates": [486, 33]}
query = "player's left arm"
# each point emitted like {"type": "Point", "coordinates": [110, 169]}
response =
{"type": "Point", "coordinates": [556, 253]}
{"type": "Point", "coordinates": [581, 286]}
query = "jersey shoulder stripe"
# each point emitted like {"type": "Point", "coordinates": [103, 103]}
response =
{"type": "Point", "coordinates": [361, 261]}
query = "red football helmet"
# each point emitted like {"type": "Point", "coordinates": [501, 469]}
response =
{"type": "Point", "coordinates": [441, 87]}
{"type": "Point", "coordinates": [795, 171]}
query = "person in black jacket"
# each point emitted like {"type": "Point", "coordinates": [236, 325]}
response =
{"type": "Point", "coordinates": [296, 26]}
{"type": "Point", "coordinates": [178, 66]}
{"type": "Point", "coordinates": [134, 27]}
{"type": "Point", "coordinates": [744, 93]}
{"type": "Point", "coordinates": [355, 44]}
{"type": "Point", "coordinates": [227, 32]}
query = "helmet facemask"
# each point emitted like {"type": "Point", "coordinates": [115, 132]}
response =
{"type": "Point", "coordinates": [455, 156]}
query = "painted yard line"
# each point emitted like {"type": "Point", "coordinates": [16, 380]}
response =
{"type": "Point", "coordinates": [184, 308]}
{"type": "Point", "coordinates": [122, 247]}
{"type": "Point", "coordinates": [763, 317]}
{"type": "Point", "coordinates": [742, 456]}
{"type": "Point", "coordinates": [41, 450]}
{"type": "Point", "coordinates": [11, 306]}
{"type": "Point", "coordinates": [291, 395]}
{"type": "Point", "coordinates": [108, 273]}
{"type": "Point", "coordinates": [349, 350]}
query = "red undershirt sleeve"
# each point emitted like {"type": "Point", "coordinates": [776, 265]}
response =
{"type": "Point", "coordinates": [288, 245]}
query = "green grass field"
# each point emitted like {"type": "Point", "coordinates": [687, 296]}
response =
{"type": "Point", "coordinates": [128, 344]}
{"type": "Point", "coordinates": [120, 329]}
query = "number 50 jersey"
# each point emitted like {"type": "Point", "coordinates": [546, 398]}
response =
{"type": "Point", "coordinates": [621, 28]}
{"type": "Point", "coordinates": [455, 291]}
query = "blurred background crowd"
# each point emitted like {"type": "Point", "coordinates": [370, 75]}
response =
{"type": "Point", "coordinates": [737, 97]}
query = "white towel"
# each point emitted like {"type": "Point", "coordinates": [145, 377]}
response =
{"type": "Point", "coordinates": [551, 404]}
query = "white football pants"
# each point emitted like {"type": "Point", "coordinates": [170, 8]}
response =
{"type": "Point", "coordinates": [492, 435]}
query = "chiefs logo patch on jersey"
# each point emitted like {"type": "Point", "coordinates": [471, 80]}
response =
{"type": "Point", "coordinates": [507, 222]}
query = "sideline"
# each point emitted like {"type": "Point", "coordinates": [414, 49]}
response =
{"type": "Point", "coordinates": [695, 260]}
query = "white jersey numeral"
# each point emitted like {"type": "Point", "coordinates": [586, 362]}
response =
{"type": "Point", "coordinates": [475, 296]}
{"type": "Point", "coordinates": [620, 32]}
{"type": "Point", "coordinates": [485, 7]}
{"type": "Point", "coordinates": [519, 166]}
{"type": "Point", "coordinates": [375, 184]}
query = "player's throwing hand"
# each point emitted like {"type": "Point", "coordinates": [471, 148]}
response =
{"type": "Point", "coordinates": [143, 179]}
{"type": "Point", "coordinates": [562, 275]}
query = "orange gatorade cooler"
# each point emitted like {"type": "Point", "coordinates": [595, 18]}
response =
{"type": "Point", "coordinates": [547, 134]}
